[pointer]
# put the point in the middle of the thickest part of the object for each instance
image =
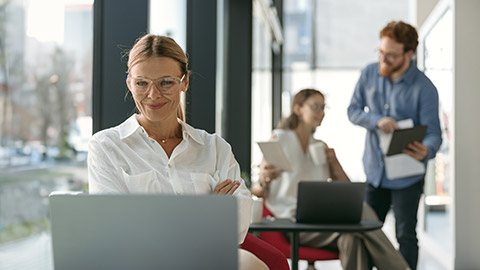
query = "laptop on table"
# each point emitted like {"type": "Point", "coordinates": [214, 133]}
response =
{"type": "Point", "coordinates": [335, 202]}
{"type": "Point", "coordinates": [144, 232]}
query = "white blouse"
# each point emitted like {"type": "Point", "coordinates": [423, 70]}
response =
{"type": "Point", "coordinates": [124, 159]}
{"type": "Point", "coordinates": [282, 197]}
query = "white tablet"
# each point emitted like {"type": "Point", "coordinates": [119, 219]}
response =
{"type": "Point", "coordinates": [273, 153]}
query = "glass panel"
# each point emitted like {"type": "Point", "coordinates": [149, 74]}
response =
{"type": "Point", "coordinates": [169, 18]}
{"type": "Point", "coordinates": [346, 32]}
{"type": "Point", "coordinates": [45, 119]}
{"type": "Point", "coordinates": [261, 84]}
{"type": "Point", "coordinates": [335, 40]}
{"type": "Point", "coordinates": [297, 25]}
{"type": "Point", "coordinates": [336, 34]}
{"type": "Point", "coordinates": [439, 68]}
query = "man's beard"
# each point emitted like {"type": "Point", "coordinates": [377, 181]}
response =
{"type": "Point", "coordinates": [387, 69]}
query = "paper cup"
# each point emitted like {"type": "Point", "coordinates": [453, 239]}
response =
{"type": "Point", "coordinates": [317, 152]}
{"type": "Point", "coordinates": [257, 209]}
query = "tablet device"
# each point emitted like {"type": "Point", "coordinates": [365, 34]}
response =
{"type": "Point", "coordinates": [273, 153]}
{"type": "Point", "coordinates": [402, 137]}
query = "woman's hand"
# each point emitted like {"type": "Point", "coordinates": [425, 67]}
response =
{"type": "Point", "coordinates": [336, 170]}
{"type": "Point", "coordinates": [226, 187]}
{"type": "Point", "coordinates": [331, 156]}
{"type": "Point", "coordinates": [268, 172]}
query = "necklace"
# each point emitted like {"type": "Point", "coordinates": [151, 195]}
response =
{"type": "Point", "coordinates": [166, 139]}
{"type": "Point", "coordinates": [178, 135]}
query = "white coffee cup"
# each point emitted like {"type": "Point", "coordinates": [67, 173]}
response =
{"type": "Point", "coordinates": [257, 209]}
{"type": "Point", "coordinates": [317, 152]}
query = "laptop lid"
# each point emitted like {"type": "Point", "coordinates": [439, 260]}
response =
{"type": "Point", "coordinates": [330, 202]}
{"type": "Point", "coordinates": [144, 232]}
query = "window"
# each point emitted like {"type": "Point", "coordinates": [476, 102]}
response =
{"type": "Point", "coordinates": [45, 119]}
{"type": "Point", "coordinates": [327, 42]}
{"type": "Point", "coordinates": [438, 61]}
{"type": "Point", "coordinates": [261, 83]}
{"type": "Point", "coordinates": [171, 23]}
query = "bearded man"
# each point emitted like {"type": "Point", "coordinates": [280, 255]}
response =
{"type": "Point", "coordinates": [391, 90]}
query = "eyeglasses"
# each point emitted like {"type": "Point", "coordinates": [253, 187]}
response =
{"type": "Point", "coordinates": [389, 56]}
{"type": "Point", "coordinates": [166, 85]}
{"type": "Point", "coordinates": [317, 107]}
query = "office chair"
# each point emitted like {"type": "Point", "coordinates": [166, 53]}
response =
{"type": "Point", "coordinates": [270, 255]}
{"type": "Point", "coordinates": [278, 240]}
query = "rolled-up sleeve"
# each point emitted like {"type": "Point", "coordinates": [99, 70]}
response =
{"type": "Point", "coordinates": [428, 115]}
{"type": "Point", "coordinates": [356, 110]}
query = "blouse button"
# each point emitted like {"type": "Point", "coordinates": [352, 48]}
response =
{"type": "Point", "coordinates": [169, 166]}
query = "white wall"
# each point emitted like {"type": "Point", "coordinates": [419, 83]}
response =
{"type": "Point", "coordinates": [466, 133]}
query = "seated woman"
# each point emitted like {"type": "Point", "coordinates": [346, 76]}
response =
{"type": "Point", "coordinates": [155, 151]}
{"type": "Point", "coordinates": [279, 188]}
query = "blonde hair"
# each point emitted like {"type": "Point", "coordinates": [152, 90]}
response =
{"type": "Point", "coordinates": [151, 45]}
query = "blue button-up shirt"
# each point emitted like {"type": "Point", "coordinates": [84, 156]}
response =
{"type": "Point", "coordinates": [412, 96]}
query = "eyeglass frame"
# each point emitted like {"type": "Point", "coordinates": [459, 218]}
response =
{"type": "Point", "coordinates": [151, 82]}
{"type": "Point", "coordinates": [316, 107]}
{"type": "Point", "coordinates": [389, 56]}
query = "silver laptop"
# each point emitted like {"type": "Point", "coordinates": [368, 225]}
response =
{"type": "Point", "coordinates": [330, 202]}
{"type": "Point", "coordinates": [144, 232]}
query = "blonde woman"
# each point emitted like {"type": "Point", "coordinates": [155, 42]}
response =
{"type": "Point", "coordinates": [155, 151]}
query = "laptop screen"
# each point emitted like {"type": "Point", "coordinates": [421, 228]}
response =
{"type": "Point", "coordinates": [329, 202]}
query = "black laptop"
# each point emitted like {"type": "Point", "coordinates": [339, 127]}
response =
{"type": "Point", "coordinates": [336, 202]}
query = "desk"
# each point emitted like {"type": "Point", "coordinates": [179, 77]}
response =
{"type": "Point", "coordinates": [287, 225]}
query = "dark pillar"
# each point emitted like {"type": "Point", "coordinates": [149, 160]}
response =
{"type": "Point", "coordinates": [117, 24]}
{"type": "Point", "coordinates": [202, 55]}
{"type": "Point", "coordinates": [277, 77]}
{"type": "Point", "coordinates": [237, 86]}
